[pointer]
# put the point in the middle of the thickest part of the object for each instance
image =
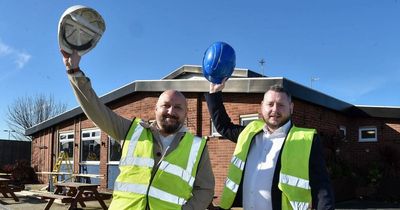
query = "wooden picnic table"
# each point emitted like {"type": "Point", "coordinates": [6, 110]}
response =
{"type": "Point", "coordinates": [5, 175]}
{"type": "Point", "coordinates": [6, 188]}
{"type": "Point", "coordinates": [74, 193]}
{"type": "Point", "coordinates": [52, 173]}
{"type": "Point", "coordinates": [86, 178]}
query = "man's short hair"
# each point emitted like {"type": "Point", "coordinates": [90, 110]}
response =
{"type": "Point", "coordinates": [280, 89]}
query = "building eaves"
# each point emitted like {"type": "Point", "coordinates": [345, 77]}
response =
{"type": "Point", "coordinates": [375, 111]}
{"type": "Point", "coordinates": [234, 85]}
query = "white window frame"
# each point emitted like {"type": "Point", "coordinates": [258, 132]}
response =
{"type": "Point", "coordinates": [66, 134]}
{"type": "Point", "coordinates": [90, 162]}
{"type": "Point", "coordinates": [214, 132]}
{"type": "Point", "coordinates": [367, 128]}
{"type": "Point", "coordinates": [247, 117]}
{"type": "Point", "coordinates": [109, 151]}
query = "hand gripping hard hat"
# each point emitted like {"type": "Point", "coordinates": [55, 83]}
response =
{"type": "Point", "coordinates": [80, 28]}
{"type": "Point", "coordinates": [219, 61]}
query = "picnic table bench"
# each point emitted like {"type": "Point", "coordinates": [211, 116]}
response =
{"type": "Point", "coordinates": [7, 188]}
{"type": "Point", "coordinates": [74, 193]}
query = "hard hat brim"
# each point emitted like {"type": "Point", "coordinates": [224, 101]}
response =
{"type": "Point", "coordinates": [80, 28]}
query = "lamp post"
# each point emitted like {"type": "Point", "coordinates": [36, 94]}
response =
{"type": "Point", "coordinates": [9, 132]}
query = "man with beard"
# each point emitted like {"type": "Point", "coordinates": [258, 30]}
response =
{"type": "Point", "coordinates": [275, 165]}
{"type": "Point", "coordinates": [163, 165]}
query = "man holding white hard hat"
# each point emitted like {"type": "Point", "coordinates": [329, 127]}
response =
{"type": "Point", "coordinates": [163, 165]}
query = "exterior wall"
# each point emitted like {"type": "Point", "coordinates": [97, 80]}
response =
{"type": "Point", "coordinates": [41, 151]}
{"type": "Point", "coordinates": [388, 131]}
{"type": "Point", "coordinates": [142, 104]}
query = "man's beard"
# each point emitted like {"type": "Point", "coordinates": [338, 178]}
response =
{"type": "Point", "coordinates": [169, 128]}
{"type": "Point", "coordinates": [280, 124]}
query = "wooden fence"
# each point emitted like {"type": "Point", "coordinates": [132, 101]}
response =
{"type": "Point", "coordinates": [12, 150]}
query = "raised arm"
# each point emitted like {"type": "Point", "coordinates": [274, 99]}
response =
{"type": "Point", "coordinates": [218, 114]}
{"type": "Point", "coordinates": [107, 120]}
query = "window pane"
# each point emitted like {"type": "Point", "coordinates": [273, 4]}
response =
{"type": "Point", "coordinates": [85, 134]}
{"type": "Point", "coordinates": [95, 133]}
{"type": "Point", "coordinates": [115, 150]}
{"type": "Point", "coordinates": [368, 134]}
{"type": "Point", "coordinates": [245, 122]}
{"type": "Point", "coordinates": [90, 150]}
{"type": "Point", "coordinates": [67, 147]}
{"type": "Point", "coordinates": [66, 144]}
{"type": "Point", "coordinates": [246, 119]}
{"type": "Point", "coordinates": [342, 133]}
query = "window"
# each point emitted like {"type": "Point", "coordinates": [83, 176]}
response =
{"type": "Point", "coordinates": [66, 144]}
{"type": "Point", "coordinates": [246, 119]}
{"type": "Point", "coordinates": [342, 132]}
{"type": "Point", "coordinates": [367, 134]}
{"type": "Point", "coordinates": [214, 131]}
{"type": "Point", "coordinates": [90, 150]}
{"type": "Point", "coordinates": [115, 150]}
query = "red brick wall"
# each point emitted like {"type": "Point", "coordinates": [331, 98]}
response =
{"type": "Point", "coordinates": [142, 105]}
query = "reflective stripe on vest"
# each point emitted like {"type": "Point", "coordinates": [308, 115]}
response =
{"type": "Point", "coordinates": [132, 191]}
{"type": "Point", "coordinates": [300, 205]}
{"type": "Point", "coordinates": [294, 175]}
{"type": "Point", "coordinates": [176, 167]}
{"type": "Point", "coordinates": [154, 192]}
{"type": "Point", "coordinates": [129, 159]}
{"type": "Point", "coordinates": [177, 171]}
{"type": "Point", "coordinates": [167, 197]}
{"type": "Point", "coordinates": [184, 174]}
{"type": "Point", "coordinates": [231, 185]}
{"type": "Point", "coordinates": [129, 187]}
{"type": "Point", "coordinates": [294, 181]}
{"type": "Point", "coordinates": [238, 162]}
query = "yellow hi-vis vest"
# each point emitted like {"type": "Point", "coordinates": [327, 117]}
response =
{"type": "Point", "coordinates": [293, 177]}
{"type": "Point", "coordinates": [172, 184]}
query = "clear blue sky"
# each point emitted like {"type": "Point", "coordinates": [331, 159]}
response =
{"type": "Point", "coordinates": [352, 46]}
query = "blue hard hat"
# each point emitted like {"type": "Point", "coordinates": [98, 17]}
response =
{"type": "Point", "coordinates": [219, 61]}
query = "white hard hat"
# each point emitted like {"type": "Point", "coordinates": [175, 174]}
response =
{"type": "Point", "coordinates": [80, 28]}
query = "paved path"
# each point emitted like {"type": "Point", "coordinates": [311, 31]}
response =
{"type": "Point", "coordinates": [361, 204]}
{"type": "Point", "coordinates": [29, 202]}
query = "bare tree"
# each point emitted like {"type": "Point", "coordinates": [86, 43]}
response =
{"type": "Point", "coordinates": [28, 111]}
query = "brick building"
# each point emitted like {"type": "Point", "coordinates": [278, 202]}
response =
{"type": "Point", "coordinates": [360, 128]}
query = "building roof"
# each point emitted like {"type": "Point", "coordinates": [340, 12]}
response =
{"type": "Point", "coordinates": [196, 72]}
{"type": "Point", "coordinates": [189, 78]}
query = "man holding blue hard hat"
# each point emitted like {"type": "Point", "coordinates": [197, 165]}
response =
{"type": "Point", "coordinates": [275, 165]}
{"type": "Point", "coordinates": [163, 165]}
